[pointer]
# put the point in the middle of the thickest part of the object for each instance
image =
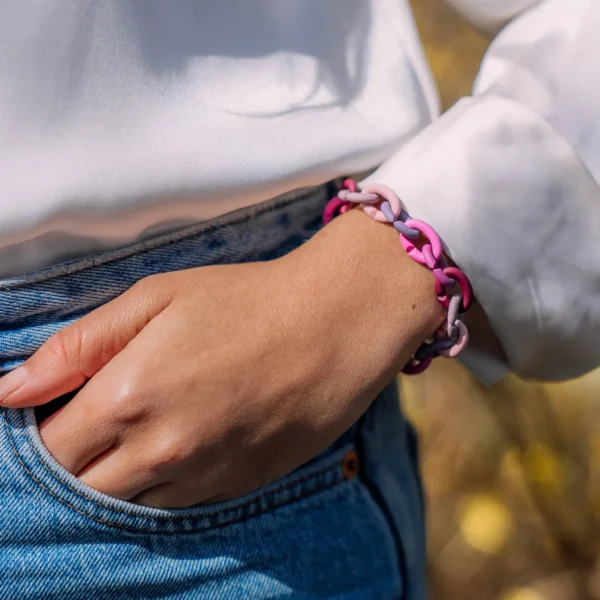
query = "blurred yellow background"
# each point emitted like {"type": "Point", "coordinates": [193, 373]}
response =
{"type": "Point", "coordinates": [513, 472]}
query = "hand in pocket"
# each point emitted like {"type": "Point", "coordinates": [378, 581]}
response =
{"type": "Point", "coordinates": [202, 385]}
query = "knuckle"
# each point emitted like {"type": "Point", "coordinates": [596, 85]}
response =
{"type": "Point", "coordinates": [150, 285]}
{"type": "Point", "coordinates": [169, 453]}
{"type": "Point", "coordinates": [152, 292]}
{"type": "Point", "coordinates": [66, 345]}
{"type": "Point", "coordinates": [125, 405]}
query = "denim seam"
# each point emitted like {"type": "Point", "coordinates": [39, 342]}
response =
{"type": "Point", "coordinates": [170, 238]}
{"type": "Point", "coordinates": [281, 488]}
{"type": "Point", "coordinates": [255, 501]}
{"type": "Point", "coordinates": [133, 529]}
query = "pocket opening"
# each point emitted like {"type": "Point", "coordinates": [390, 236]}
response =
{"type": "Point", "coordinates": [303, 484]}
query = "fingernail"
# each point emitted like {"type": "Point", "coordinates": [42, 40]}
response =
{"type": "Point", "coordinates": [10, 383]}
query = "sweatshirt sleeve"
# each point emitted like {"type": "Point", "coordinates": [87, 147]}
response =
{"type": "Point", "coordinates": [509, 179]}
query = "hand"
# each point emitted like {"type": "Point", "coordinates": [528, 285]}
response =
{"type": "Point", "coordinates": [205, 384]}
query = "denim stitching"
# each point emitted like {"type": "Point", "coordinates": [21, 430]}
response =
{"type": "Point", "coordinates": [288, 485]}
{"type": "Point", "coordinates": [152, 531]}
{"type": "Point", "coordinates": [283, 487]}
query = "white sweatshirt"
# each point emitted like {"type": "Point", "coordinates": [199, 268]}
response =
{"type": "Point", "coordinates": [121, 118]}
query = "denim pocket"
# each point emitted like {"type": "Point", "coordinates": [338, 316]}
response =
{"type": "Point", "coordinates": [326, 471]}
{"type": "Point", "coordinates": [316, 533]}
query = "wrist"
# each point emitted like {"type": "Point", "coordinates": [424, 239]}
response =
{"type": "Point", "coordinates": [356, 279]}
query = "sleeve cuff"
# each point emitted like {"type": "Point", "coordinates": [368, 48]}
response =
{"type": "Point", "coordinates": [520, 214]}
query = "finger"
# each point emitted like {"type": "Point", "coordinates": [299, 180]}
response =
{"type": "Point", "coordinates": [104, 415]}
{"type": "Point", "coordinates": [119, 473]}
{"type": "Point", "coordinates": [76, 434]}
{"type": "Point", "coordinates": [70, 357]}
{"type": "Point", "coordinates": [114, 398]}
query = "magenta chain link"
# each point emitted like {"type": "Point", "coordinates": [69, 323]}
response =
{"type": "Point", "coordinates": [383, 205]}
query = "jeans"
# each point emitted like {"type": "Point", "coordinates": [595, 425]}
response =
{"type": "Point", "coordinates": [348, 524]}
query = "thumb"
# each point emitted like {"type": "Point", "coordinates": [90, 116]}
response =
{"type": "Point", "coordinates": [75, 354]}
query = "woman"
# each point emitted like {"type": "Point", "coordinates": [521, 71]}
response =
{"type": "Point", "coordinates": [213, 419]}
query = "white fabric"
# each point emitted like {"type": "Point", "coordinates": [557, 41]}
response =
{"type": "Point", "coordinates": [123, 116]}
{"type": "Point", "coordinates": [509, 180]}
{"type": "Point", "coordinates": [490, 15]}
{"type": "Point", "coordinates": [120, 118]}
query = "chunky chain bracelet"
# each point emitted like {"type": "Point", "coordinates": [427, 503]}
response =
{"type": "Point", "coordinates": [422, 244]}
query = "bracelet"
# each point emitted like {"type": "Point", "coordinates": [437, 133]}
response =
{"type": "Point", "coordinates": [383, 205]}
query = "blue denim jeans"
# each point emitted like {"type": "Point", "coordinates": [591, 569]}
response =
{"type": "Point", "coordinates": [326, 530]}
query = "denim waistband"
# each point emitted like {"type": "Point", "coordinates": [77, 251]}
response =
{"type": "Point", "coordinates": [36, 305]}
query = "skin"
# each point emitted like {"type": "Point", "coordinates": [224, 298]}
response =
{"type": "Point", "coordinates": [204, 384]}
